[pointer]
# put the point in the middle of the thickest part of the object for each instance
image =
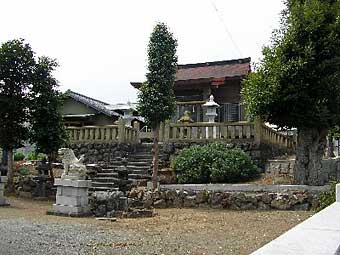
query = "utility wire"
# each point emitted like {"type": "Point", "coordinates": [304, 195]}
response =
{"type": "Point", "coordinates": [226, 28]}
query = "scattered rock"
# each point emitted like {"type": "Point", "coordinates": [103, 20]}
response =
{"type": "Point", "coordinates": [107, 219]}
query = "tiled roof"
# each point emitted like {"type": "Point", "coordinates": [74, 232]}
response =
{"type": "Point", "coordinates": [217, 69]}
{"type": "Point", "coordinates": [93, 103]}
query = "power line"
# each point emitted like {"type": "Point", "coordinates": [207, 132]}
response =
{"type": "Point", "coordinates": [226, 28]}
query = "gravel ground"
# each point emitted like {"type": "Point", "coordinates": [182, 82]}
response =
{"type": "Point", "coordinates": [25, 229]}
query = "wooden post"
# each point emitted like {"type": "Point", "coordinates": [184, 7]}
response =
{"type": "Point", "coordinates": [257, 130]}
{"type": "Point", "coordinates": [166, 131]}
{"type": "Point", "coordinates": [121, 130]}
{"type": "Point", "coordinates": [136, 126]}
{"type": "Point", "coordinates": [161, 132]}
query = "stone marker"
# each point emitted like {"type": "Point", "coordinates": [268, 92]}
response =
{"type": "Point", "coordinates": [72, 188]}
{"type": "Point", "coordinates": [3, 180]}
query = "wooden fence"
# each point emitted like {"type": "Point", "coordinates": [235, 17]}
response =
{"type": "Point", "coordinates": [109, 133]}
{"type": "Point", "coordinates": [206, 131]}
{"type": "Point", "coordinates": [194, 132]}
{"type": "Point", "coordinates": [270, 136]}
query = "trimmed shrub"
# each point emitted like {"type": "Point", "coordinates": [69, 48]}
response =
{"type": "Point", "coordinates": [19, 156]}
{"type": "Point", "coordinates": [327, 198]}
{"type": "Point", "coordinates": [213, 163]}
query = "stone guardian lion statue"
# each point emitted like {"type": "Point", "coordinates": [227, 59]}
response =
{"type": "Point", "coordinates": [74, 168]}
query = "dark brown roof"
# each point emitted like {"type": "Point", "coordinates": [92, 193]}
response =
{"type": "Point", "coordinates": [217, 69]}
{"type": "Point", "coordinates": [210, 70]}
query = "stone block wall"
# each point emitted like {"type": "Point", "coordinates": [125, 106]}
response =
{"type": "Point", "coordinates": [102, 152]}
{"type": "Point", "coordinates": [285, 167]}
{"type": "Point", "coordinates": [219, 199]}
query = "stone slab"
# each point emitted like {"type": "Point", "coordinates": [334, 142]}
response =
{"type": "Point", "coordinates": [3, 179]}
{"type": "Point", "coordinates": [77, 201]}
{"type": "Point", "coordinates": [318, 235]}
{"type": "Point", "coordinates": [243, 187]}
{"type": "Point", "coordinates": [3, 202]}
{"type": "Point", "coordinates": [71, 191]}
{"type": "Point", "coordinates": [72, 183]}
{"type": "Point", "coordinates": [70, 210]}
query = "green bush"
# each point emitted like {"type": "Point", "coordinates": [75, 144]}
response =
{"type": "Point", "coordinates": [23, 171]}
{"type": "Point", "coordinates": [19, 156]}
{"type": "Point", "coordinates": [34, 156]}
{"type": "Point", "coordinates": [327, 198]}
{"type": "Point", "coordinates": [213, 163]}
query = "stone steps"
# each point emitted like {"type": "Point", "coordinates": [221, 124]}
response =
{"type": "Point", "coordinates": [96, 184]}
{"type": "Point", "coordinates": [139, 165]}
{"type": "Point", "coordinates": [103, 188]}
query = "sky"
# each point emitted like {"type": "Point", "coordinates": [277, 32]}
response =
{"type": "Point", "coordinates": [101, 46]}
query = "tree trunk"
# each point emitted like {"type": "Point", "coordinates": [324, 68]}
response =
{"type": "Point", "coordinates": [51, 159]}
{"type": "Point", "coordinates": [10, 174]}
{"type": "Point", "coordinates": [330, 147]}
{"type": "Point", "coordinates": [4, 159]}
{"type": "Point", "coordinates": [310, 149]}
{"type": "Point", "coordinates": [155, 157]}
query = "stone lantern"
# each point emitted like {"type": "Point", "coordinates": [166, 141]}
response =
{"type": "Point", "coordinates": [128, 113]}
{"type": "Point", "coordinates": [211, 106]}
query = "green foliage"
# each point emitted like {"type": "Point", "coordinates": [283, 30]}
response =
{"type": "Point", "coordinates": [19, 156]}
{"type": "Point", "coordinates": [213, 163]}
{"type": "Point", "coordinates": [23, 171]}
{"type": "Point", "coordinates": [327, 198]}
{"type": "Point", "coordinates": [297, 84]}
{"type": "Point", "coordinates": [16, 69]}
{"type": "Point", "coordinates": [335, 132]}
{"type": "Point", "coordinates": [156, 100]}
{"type": "Point", "coordinates": [47, 127]}
{"type": "Point", "coordinates": [35, 156]}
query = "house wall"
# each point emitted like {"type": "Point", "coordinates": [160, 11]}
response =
{"type": "Point", "coordinates": [70, 106]}
{"type": "Point", "coordinates": [228, 93]}
{"type": "Point", "coordinates": [101, 120]}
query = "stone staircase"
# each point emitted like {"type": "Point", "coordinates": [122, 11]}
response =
{"type": "Point", "coordinates": [139, 167]}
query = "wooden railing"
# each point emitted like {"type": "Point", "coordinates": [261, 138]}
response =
{"type": "Point", "coordinates": [109, 133]}
{"type": "Point", "coordinates": [206, 131]}
{"type": "Point", "coordinates": [270, 136]}
{"type": "Point", "coordinates": [202, 131]}
{"type": "Point", "coordinates": [229, 131]}
{"type": "Point", "coordinates": [194, 132]}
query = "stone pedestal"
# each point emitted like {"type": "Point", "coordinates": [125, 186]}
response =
{"type": "Point", "coordinates": [72, 197]}
{"type": "Point", "coordinates": [3, 180]}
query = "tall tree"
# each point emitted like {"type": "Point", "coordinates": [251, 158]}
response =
{"type": "Point", "coordinates": [47, 127]}
{"type": "Point", "coordinates": [297, 84]}
{"type": "Point", "coordinates": [16, 68]}
{"type": "Point", "coordinates": [156, 100]}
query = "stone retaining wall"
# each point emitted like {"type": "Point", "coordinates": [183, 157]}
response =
{"type": "Point", "coordinates": [102, 152]}
{"type": "Point", "coordinates": [285, 167]}
{"type": "Point", "coordinates": [233, 197]}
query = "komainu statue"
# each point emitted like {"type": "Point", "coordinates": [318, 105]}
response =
{"type": "Point", "coordinates": [74, 168]}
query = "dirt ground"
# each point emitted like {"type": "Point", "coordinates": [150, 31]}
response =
{"type": "Point", "coordinates": [172, 231]}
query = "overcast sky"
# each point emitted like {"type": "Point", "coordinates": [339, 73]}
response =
{"type": "Point", "coordinates": [101, 45]}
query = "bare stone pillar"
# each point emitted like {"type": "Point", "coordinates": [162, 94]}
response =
{"type": "Point", "coordinates": [3, 180]}
{"type": "Point", "coordinates": [72, 197]}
